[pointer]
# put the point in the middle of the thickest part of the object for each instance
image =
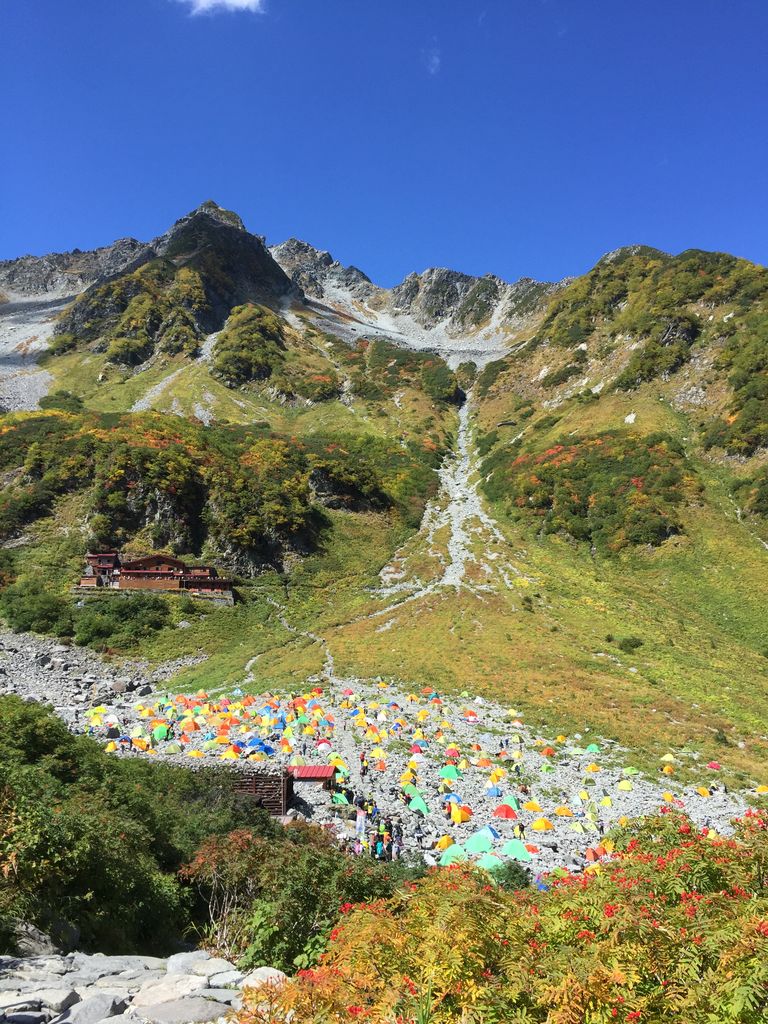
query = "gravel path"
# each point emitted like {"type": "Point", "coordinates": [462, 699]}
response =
{"type": "Point", "coordinates": [26, 327]}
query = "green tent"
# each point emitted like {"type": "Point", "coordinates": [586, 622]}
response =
{"type": "Point", "coordinates": [411, 790]}
{"type": "Point", "coordinates": [513, 802]}
{"type": "Point", "coordinates": [516, 849]}
{"type": "Point", "coordinates": [630, 770]}
{"type": "Point", "coordinates": [449, 771]}
{"type": "Point", "coordinates": [210, 745]}
{"type": "Point", "coordinates": [417, 804]}
{"type": "Point", "coordinates": [490, 862]}
{"type": "Point", "coordinates": [480, 842]}
{"type": "Point", "coordinates": [593, 749]}
{"type": "Point", "coordinates": [160, 733]}
{"type": "Point", "coordinates": [547, 767]}
{"type": "Point", "coordinates": [452, 855]}
{"type": "Point", "coordinates": [173, 748]}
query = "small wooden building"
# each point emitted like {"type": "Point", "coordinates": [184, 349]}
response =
{"type": "Point", "coordinates": [272, 790]}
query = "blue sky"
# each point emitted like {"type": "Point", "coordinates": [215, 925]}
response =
{"type": "Point", "coordinates": [520, 137]}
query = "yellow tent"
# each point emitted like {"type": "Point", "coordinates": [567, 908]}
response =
{"type": "Point", "coordinates": [407, 777]}
{"type": "Point", "coordinates": [110, 747]}
{"type": "Point", "coordinates": [668, 797]}
{"type": "Point", "coordinates": [761, 790]}
{"type": "Point", "coordinates": [625, 786]}
{"type": "Point", "coordinates": [458, 814]}
{"type": "Point", "coordinates": [668, 758]}
{"type": "Point", "coordinates": [444, 842]}
{"type": "Point", "coordinates": [703, 791]}
{"type": "Point", "coordinates": [606, 802]}
{"type": "Point", "coordinates": [592, 767]}
{"type": "Point", "coordinates": [561, 739]}
{"type": "Point", "coordinates": [563, 812]}
{"type": "Point", "coordinates": [194, 753]}
{"type": "Point", "coordinates": [542, 825]}
{"type": "Point", "coordinates": [668, 769]}
{"type": "Point", "coordinates": [531, 805]}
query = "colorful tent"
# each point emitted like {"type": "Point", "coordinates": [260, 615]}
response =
{"type": "Point", "coordinates": [542, 825]}
{"type": "Point", "coordinates": [516, 849]}
{"type": "Point", "coordinates": [505, 811]}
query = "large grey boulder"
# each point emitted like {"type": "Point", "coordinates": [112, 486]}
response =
{"type": "Point", "coordinates": [92, 1009]}
{"type": "Point", "coordinates": [171, 987]}
{"type": "Point", "coordinates": [207, 968]}
{"type": "Point", "coordinates": [18, 1002]}
{"type": "Point", "coordinates": [30, 941]}
{"type": "Point", "coordinates": [192, 1010]}
{"type": "Point", "coordinates": [264, 976]}
{"type": "Point", "coordinates": [57, 999]}
{"type": "Point", "coordinates": [233, 996]}
{"type": "Point", "coordinates": [28, 1017]}
{"type": "Point", "coordinates": [226, 979]}
{"type": "Point", "coordinates": [181, 963]}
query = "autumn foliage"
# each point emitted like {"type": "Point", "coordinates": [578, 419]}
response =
{"type": "Point", "coordinates": [674, 928]}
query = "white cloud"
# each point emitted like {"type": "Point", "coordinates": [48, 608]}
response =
{"type": "Point", "coordinates": [432, 59]}
{"type": "Point", "coordinates": [209, 6]}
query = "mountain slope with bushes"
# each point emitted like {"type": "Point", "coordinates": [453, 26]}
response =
{"type": "Point", "coordinates": [594, 520]}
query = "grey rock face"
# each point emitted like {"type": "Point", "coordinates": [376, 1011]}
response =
{"type": "Point", "coordinates": [68, 273]}
{"type": "Point", "coordinates": [30, 941]}
{"type": "Point", "coordinates": [315, 270]}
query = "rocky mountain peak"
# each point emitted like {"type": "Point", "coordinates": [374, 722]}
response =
{"type": "Point", "coordinates": [433, 295]}
{"type": "Point", "coordinates": [317, 273]}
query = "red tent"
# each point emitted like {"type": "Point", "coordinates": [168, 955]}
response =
{"type": "Point", "coordinates": [505, 811]}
